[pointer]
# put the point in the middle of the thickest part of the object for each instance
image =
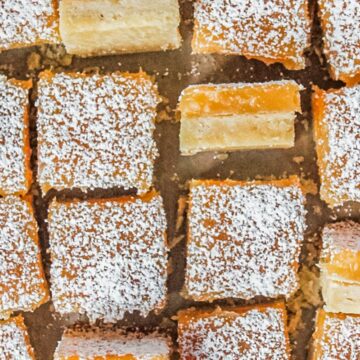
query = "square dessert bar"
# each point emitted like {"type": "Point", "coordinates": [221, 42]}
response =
{"type": "Point", "coordinates": [226, 117]}
{"type": "Point", "coordinates": [336, 336]}
{"type": "Point", "coordinates": [14, 340]}
{"type": "Point", "coordinates": [22, 282]}
{"type": "Point", "coordinates": [337, 135]}
{"type": "Point", "coordinates": [340, 267]}
{"type": "Point", "coordinates": [108, 256]}
{"type": "Point", "coordinates": [267, 30]}
{"type": "Point", "coordinates": [242, 333]}
{"type": "Point", "coordinates": [340, 21]}
{"type": "Point", "coordinates": [98, 343]}
{"type": "Point", "coordinates": [93, 27]}
{"type": "Point", "coordinates": [15, 173]}
{"type": "Point", "coordinates": [96, 131]}
{"type": "Point", "coordinates": [28, 23]}
{"type": "Point", "coordinates": [244, 239]}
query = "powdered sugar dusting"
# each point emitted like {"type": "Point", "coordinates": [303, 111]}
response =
{"type": "Point", "coordinates": [341, 339]}
{"type": "Point", "coordinates": [27, 22]}
{"type": "Point", "coordinates": [340, 236]}
{"type": "Point", "coordinates": [12, 342]}
{"type": "Point", "coordinates": [108, 257]}
{"type": "Point", "coordinates": [341, 27]}
{"type": "Point", "coordinates": [21, 279]}
{"type": "Point", "coordinates": [342, 161]}
{"type": "Point", "coordinates": [13, 103]}
{"type": "Point", "coordinates": [277, 30]}
{"type": "Point", "coordinates": [244, 240]}
{"type": "Point", "coordinates": [96, 131]}
{"type": "Point", "coordinates": [97, 343]}
{"type": "Point", "coordinates": [250, 336]}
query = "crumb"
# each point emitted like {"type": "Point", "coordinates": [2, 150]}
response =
{"type": "Point", "coordinates": [298, 159]}
{"type": "Point", "coordinates": [55, 55]}
{"type": "Point", "coordinates": [175, 177]}
{"type": "Point", "coordinates": [163, 115]}
{"type": "Point", "coordinates": [9, 68]}
{"type": "Point", "coordinates": [317, 210]}
{"type": "Point", "coordinates": [91, 70]}
{"type": "Point", "coordinates": [309, 186]}
{"type": "Point", "coordinates": [305, 124]}
{"type": "Point", "coordinates": [312, 254]}
{"type": "Point", "coordinates": [33, 61]}
{"type": "Point", "coordinates": [182, 204]}
{"type": "Point", "coordinates": [222, 156]}
{"type": "Point", "coordinates": [307, 296]}
{"type": "Point", "coordinates": [176, 240]}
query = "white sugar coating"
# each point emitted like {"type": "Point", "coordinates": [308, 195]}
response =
{"type": "Point", "coordinates": [22, 283]}
{"type": "Point", "coordinates": [91, 344]}
{"type": "Point", "coordinates": [342, 121]}
{"type": "Point", "coordinates": [342, 34]}
{"type": "Point", "coordinates": [342, 338]}
{"type": "Point", "coordinates": [12, 342]}
{"type": "Point", "coordinates": [339, 236]}
{"type": "Point", "coordinates": [244, 241]}
{"type": "Point", "coordinates": [13, 103]}
{"type": "Point", "coordinates": [252, 336]}
{"type": "Point", "coordinates": [96, 131]}
{"type": "Point", "coordinates": [274, 29]}
{"type": "Point", "coordinates": [27, 22]}
{"type": "Point", "coordinates": [108, 258]}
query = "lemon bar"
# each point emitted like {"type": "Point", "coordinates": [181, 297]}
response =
{"type": "Point", "coordinates": [23, 286]}
{"type": "Point", "coordinates": [340, 22]}
{"type": "Point", "coordinates": [109, 256]}
{"type": "Point", "coordinates": [267, 30]}
{"type": "Point", "coordinates": [244, 239]}
{"type": "Point", "coordinates": [14, 340]}
{"type": "Point", "coordinates": [337, 336]}
{"type": "Point", "coordinates": [340, 267]}
{"type": "Point", "coordinates": [228, 117]}
{"type": "Point", "coordinates": [96, 131]}
{"type": "Point", "coordinates": [15, 152]}
{"type": "Point", "coordinates": [95, 343]}
{"type": "Point", "coordinates": [242, 333]}
{"type": "Point", "coordinates": [337, 133]}
{"type": "Point", "coordinates": [92, 27]}
{"type": "Point", "coordinates": [27, 23]}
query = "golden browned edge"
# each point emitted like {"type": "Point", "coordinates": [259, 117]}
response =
{"type": "Point", "coordinates": [207, 89]}
{"type": "Point", "coordinates": [38, 42]}
{"type": "Point", "coordinates": [26, 85]}
{"type": "Point", "coordinates": [34, 237]}
{"type": "Point", "coordinates": [120, 200]}
{"type": "Point", "coordinates": [19, 322]}
{"type": "Point", "coordinates": [48, 75]}
{"type": "Point", "coordinates": [78, 331]}
{"type": "Point", "coordinates": [213, 49]}
{"type": "Point", "coordinates": [318, 335]}
{"type": "Point", "coordinates": [124, 52]}
{"type": "Point", "coordinates": [322, 144]}
{"type": "Point", "coordinates": [185, 317]}
{"type": "Point", "coordinates": [348, 79]}
{"type": "Point", "coordinates": [290, 181]}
